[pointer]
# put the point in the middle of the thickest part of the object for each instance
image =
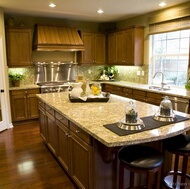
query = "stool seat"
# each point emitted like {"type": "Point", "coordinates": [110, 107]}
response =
{"type": "Point", "coordinates": [178, 146]}
{"type": "Point", "coordinates": [140, 159]}
{"type": "Point", "coordinates": [180, 143]}
{"type": "Point", "coordinates": [141, 156]}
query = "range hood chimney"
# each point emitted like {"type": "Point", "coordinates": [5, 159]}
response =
{"type": "Point", "coordinates": [56, 38]}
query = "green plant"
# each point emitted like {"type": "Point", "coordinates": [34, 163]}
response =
{"type": "Point", "coordinates": [16, 76]}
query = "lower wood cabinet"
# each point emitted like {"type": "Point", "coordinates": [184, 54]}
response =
{"type": "Point", "coordinates": [70, 145]}
{"type": "Point", "coordinates": [24, 104]}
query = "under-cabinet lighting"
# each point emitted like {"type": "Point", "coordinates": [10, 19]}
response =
{"type": "Point", "coordinates": [52, 5]}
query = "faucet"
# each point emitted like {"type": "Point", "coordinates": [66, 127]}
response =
{"type": "Point", "coordinates": [162, 83]}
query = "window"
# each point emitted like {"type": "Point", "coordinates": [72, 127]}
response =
{"type": "Point", "coordinates": [170, 55]}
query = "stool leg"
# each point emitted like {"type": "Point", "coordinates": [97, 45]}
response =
{"type": "Point", "coordinates": [121, 175]}
{"type": "Point", "coordinates": [175, 169]}
{"type": "Point", "coordinates": [158, 179]}
{"type": "Point", "coordinates": [132, 176]}
{"type": "Point", "coordinates": [184, 172]}
{"type": "Point", "coordinates": [150, 179]}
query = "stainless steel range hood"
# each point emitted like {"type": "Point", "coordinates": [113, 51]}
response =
{"type": "Point", "coordinates": [56, 38]}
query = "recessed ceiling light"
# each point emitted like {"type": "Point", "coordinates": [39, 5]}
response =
{"type": "Point", "coordinates": [162, 4]}
{"type": "Point", "coordinates": [100, 11]}
{"type": "Point", "coordinates": [52, 5]}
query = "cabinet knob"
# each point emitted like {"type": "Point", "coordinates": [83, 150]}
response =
{"type": "Point", "coordinates": [77, 131]}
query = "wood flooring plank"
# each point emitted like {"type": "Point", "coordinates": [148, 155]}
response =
{"type": "Point", "coordinates": [26, 163]}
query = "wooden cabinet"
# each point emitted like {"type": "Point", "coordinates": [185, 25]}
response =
{"type": "Point", "coordinates": [51, 129]}
{"type": "Point", "coordinates": [128, 48]}
{"type": "Point", "coordinates": [95, 49]}
{"type": "Point", "coordinates": [139, 95]}
{"type": "Point", "coordinates": [70, 145]}
{"type": "Point", "coordinates": [81, 157]}
{"type": "Point", "coordinates": [113, 89]}
{"type": "Point", "coordinates": [24, 104]}
{"type": "Point", "coordinates": [154, 98]}
{"type": "Point", "coordinates": [63, 154]}
{"type": "Point", "coordinates": [19, 47]}
{"type": "Point", "coordinates": [42, 120]}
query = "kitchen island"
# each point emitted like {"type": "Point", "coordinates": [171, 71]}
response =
{"type": "Point", "coordinates": [87, 150]}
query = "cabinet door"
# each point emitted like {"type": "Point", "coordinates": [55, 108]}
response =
{"type": "Point", "coordinates": [129, 39]}
{"type": "Point", "coordinates": [19, 47]}
{"type": "Point", "coordinates": [32, 103]}
{"type": "Point", "coordinates": [42, 121]}
{"type": "Point", "coordinates": [112, 48]}
{"type": "Point", "coordinates": [120, 47]}
{"type": "Point", "coordinates": [100, 49]}
{"type": "Point", "coordinates": [139, 95]}
{"type": "Point", "coordinates": [81, 162]}
{"type": "Point", "coordinates": [88, 54]}
{"type": "Point", "coordinates": [19, 105]}
{"type": "Point", "coordinates": [51, 133]}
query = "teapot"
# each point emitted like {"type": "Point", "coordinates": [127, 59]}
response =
{"type": "Point", "coordinates": [76, 89]}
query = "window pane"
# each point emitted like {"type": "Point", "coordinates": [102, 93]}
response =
{"type": "Point", "coordinates": [171, 56]}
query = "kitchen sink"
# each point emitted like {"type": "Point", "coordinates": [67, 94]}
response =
{"type": "Point", "coordinates": [159, 88]}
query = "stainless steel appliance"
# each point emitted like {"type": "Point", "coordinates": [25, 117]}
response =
{"type": "Point", "coordinates": [54, 76]}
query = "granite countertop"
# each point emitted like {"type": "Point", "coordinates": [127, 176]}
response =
{"type": "Point", "coordinates": [21, 87]}
{"type": "Point", "coordinates": [175, 91]}
{"type": "Point", "coordinates": [92, 116]}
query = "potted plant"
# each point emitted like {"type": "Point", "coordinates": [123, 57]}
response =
{"type": "Point", "coordinates": [15, 78]}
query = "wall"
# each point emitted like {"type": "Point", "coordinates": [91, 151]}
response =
{"type": "Point", "coordinates": [3, 72]}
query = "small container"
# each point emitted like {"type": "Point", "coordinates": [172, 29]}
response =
{"type": "Point", "coordinates": [166, 107]}
{"type": "Point", "coordinates": [96, 88]}
{"type": "Point", "coordinates": [81, 79]}
{"type": "Point", "coordinates": [165, 112]}
{"type": "Point", "coordinates": [131, 113]}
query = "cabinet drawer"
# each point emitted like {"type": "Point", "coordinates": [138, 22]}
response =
{"type": "Point", "coordinates": [49, 109]}
{"type": "Point", "coordinates": [61, 119]}
{"type": "Point", "coordinates": [154, 95]}
{"type": "Point", "coordinates": [18, 92]}
{"type": "Point", "coordinates": [80, 133]}
{"type": "Point", "coordinates": [127, 90]}
{"type": "Point", "coordinates": [41, 104]}
{"type": "Point", "coordinates": [139, 92]}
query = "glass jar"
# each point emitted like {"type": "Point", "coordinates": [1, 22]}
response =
{"type": "Point", "coordinates": [96, 88]}
{"type": "Point", "coordinates": [166, 107]}
{"type": "Point", "coordinates": [131, 113]}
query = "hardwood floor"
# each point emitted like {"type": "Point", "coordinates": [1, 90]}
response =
{"type": "Point", "coordinates": [26, 163]}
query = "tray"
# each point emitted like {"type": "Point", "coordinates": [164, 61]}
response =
{"type": "Point", "coordinates": [98, 99]}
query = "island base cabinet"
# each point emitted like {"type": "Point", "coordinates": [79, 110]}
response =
{"type": "Point", "coordinates": [81, 162]}
{"type": "Point", "coordinates": [42, 121]}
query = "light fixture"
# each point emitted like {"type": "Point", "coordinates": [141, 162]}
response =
{"type": "Point", "coordinates": [162, 4]}
{"type": "Point", "coordinates": [52, 5]}
{"type": "Point", "coordinates": [100, 11]}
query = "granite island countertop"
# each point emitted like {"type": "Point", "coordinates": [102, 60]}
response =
{"type": "Point", "coordinates": [92, 116]}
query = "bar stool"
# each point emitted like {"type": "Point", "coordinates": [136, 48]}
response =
{"type": "Point", "coordinates": [143, 160]}
{"type": "Point", "coordinates": [178, 146]}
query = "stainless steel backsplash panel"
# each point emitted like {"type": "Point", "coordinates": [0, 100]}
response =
{"type": "Point", "coordinates": [54, 72]}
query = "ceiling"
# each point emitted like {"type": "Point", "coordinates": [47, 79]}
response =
{"type": "Point", "coordinates": [84, 10]}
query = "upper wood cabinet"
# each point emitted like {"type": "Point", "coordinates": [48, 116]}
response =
{"type": "Point", "coordinates": [19, 47]}
{"type": "Point", "coordinates": [126, 47]}
{"type": "Point", "coordinates": [95, 49]}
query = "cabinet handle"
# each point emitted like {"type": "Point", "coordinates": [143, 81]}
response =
{"type": "Point", "coordinates": [77, 131]}
{"type": "Point", "coordinates": [67, 134]}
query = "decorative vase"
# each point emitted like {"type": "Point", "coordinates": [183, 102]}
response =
{"type": "Point", "coordinates": [16, 83]}
{"type": "Point", "coordinates": [77, 90]}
